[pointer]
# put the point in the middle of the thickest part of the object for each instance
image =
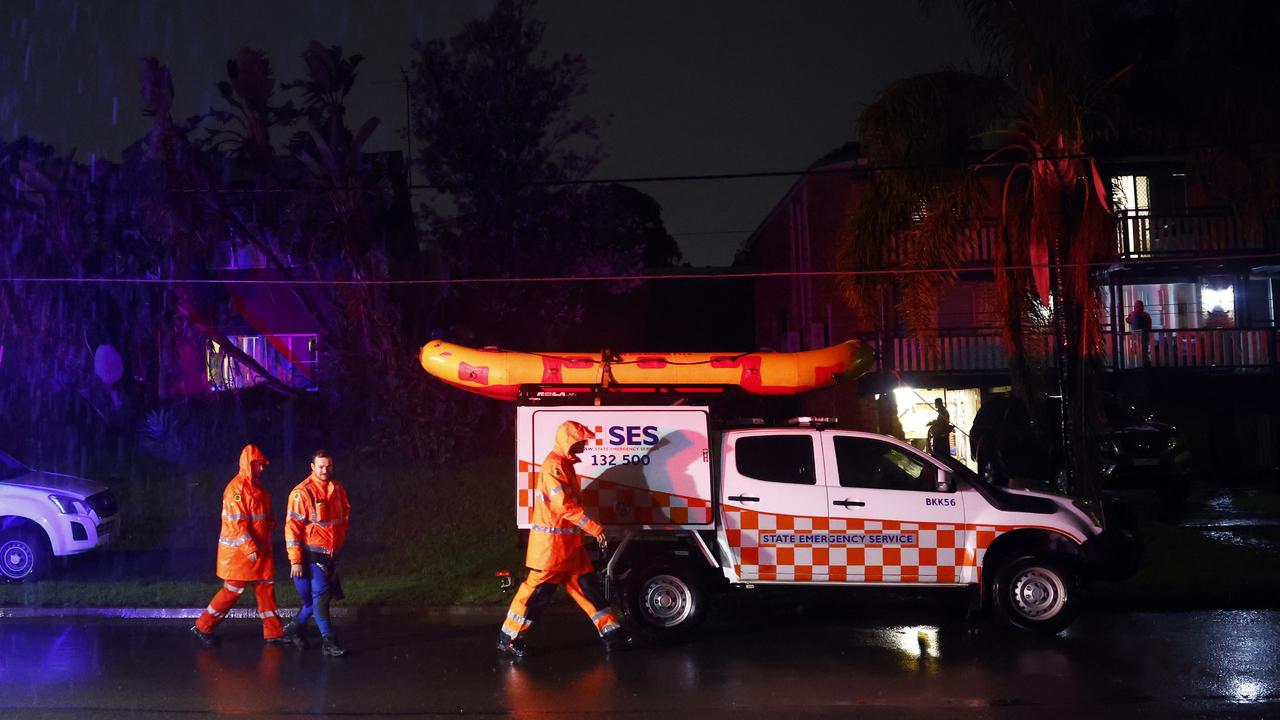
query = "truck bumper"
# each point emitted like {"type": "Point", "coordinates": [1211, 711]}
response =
{"type": "Point", "coordinates": [1115, 553]}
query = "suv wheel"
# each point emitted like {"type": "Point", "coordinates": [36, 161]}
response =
{"type": "Point", "coordinates": [24, 555]}
{"type": "Point", "coordinates": [1036, 594]}
{"type": "Point", "coordinates": [666, 601]}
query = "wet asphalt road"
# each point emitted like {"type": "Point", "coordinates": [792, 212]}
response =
{"type": "Point", "coordinates": [752, 664]}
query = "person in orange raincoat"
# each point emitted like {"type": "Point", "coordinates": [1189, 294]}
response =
{"type": "Point", "coordinates": [317, 523]}
{"type": "Point", "coordinates": [556, 555]}
{"type": "Point", "coordinates": [244, 552]}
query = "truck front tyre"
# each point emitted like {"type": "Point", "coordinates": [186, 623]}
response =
{"type": "Point", "coordinates": [24, 555]}
{"type": "Point", "coordinates": [1035, 594]}
{"type": "Point", "coordinates": [667, 602]}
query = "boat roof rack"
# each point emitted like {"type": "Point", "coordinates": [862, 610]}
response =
{"type": "Point", "coordinates": [619, 394]}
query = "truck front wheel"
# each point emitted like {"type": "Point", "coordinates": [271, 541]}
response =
{"type": "Point", "coordinates": [1035, 594]}
{"type": "Point", "coordinates": [666, 601]}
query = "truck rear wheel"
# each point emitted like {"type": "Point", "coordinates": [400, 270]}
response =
{"type": "Point", "coordinates": [1035, 594]}
{"type": "Point", "coordinates": [24, 555]}
{"type": "Point", "coordinates": [666, 601]}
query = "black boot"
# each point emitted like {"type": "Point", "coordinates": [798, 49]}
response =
{"type": "Point", "coordinates": [292, 631]}
{"type": "Point", "coordinates": [285, 639]}
{"type": "Point", "coordinates": [331, 647]}
{"type": "Point", "coordinates": [209, 640]}
{"type": "Point", "coordinates": [511, 647]}
{"type": "Point", "coordinates": [616, 639]}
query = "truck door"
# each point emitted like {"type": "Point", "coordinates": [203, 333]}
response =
{"type": "Point", "coordinates": [888, 520]}
{"type": "Point", "coordinates": [773, 503]}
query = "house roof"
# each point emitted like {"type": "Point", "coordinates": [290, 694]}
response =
{"type": "Point", "coordinates": [265, 309]}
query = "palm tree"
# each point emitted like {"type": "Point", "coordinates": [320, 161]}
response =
{"type": "Point", "coordinates": [951, 139]}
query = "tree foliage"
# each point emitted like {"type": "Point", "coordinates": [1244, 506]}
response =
{"type": "Point", "coordinates": [503, 148]}
{"type": "Point", "coordinates": [1012, 148]}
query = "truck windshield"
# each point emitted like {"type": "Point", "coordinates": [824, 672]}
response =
{"type": "Point", "coordinates": [10, 468]}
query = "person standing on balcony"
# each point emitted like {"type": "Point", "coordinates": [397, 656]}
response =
{"type": "Point", "coordinates": [1140, 322]}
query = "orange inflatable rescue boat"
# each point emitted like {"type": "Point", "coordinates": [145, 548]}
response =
{"type": "Point", "coordinates": [500, 373]}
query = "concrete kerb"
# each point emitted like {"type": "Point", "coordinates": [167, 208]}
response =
{"type": "Point", "coordinates": [341, 612]}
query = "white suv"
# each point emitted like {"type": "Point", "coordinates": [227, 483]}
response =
{"type": "Point", "coordinates": [45, 515]}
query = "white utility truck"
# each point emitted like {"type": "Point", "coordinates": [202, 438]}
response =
{"type": "Point", "coordinates": [46, 515]}
{"type": "Point", "coordinates": [691, 509]}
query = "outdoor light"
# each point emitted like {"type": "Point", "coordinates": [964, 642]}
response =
{"type": "Point", "coordinates": [69, 505]}
{"type": "Point", "coordinates": [904, 395]}
{"type": "Point", "coordinates": [1212, 298]}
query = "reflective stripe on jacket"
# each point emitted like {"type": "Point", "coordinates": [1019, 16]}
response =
{"type": "Point", "coordinates": [246, 525]}
{"type": "Point", "coordinates": [558, 520]}
{"type": "Point", "coordinates": [317, 520]}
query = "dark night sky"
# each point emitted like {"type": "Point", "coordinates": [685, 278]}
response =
{"type": "Point", "coordinates": [686, 87]}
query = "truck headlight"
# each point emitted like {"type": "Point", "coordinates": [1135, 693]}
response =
{"type": "Point", "coordinates": [69, 505]}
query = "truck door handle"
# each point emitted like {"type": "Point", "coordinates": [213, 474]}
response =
{"type": "Point", "coordinates": [849, 503]}
{"type": "Point", "coordinates": [744, 498]}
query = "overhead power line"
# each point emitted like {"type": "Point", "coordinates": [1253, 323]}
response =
{"type": "Point", "coordinates": [616, 278]}
{"type": "Point", "coordinates": [641, 179]}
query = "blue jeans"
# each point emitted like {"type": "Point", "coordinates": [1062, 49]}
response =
{"type": "Point", "coordinates": [313, 589]}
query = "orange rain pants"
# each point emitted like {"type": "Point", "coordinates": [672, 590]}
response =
{"type": "Point", "coordinates": [537, 590]}
{"type": "Point", "coordinates": [263, 590]}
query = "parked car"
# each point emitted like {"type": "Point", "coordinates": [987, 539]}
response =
{"type": "Point", "coordinates": [1134, 451]}
{"type": "Point", "coordinates": [46, 515]}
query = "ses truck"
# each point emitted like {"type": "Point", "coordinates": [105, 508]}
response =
{"type": "Point", "coordinates": [692, 509]}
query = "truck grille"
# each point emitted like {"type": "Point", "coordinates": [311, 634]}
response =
{"type": "Point", "coordinates": [104, 503]}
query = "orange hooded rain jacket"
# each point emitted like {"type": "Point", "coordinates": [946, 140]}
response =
{"type": "Point", "coordinates": [558, 520]}
{"type": "Point", "coordinates": [318, 519]}
{"type": "Point", "coordinates": [246, 525]}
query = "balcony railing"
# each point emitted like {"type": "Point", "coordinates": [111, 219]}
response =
{"type": "Point", "coordinates": [983, 352]}
{"type": "Point", "coordinates": [1142, 235]}
{"type": "Point", "coordinates": [1202, 348]}
{"type": "Point", "coordinates": [976, 246]}
{"type": "Point", "coordinates": [1139, 234]}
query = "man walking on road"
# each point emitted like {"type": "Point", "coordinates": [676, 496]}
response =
{"type": "Point", "coordinates": [314, 532]}
{"type": "Point", "coordinates": [244, 552]}
{"type": "Point", "coordinates": [555, 555]}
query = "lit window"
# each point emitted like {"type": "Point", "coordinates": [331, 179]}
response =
{"type": "Point", "coordinates": [290, 358]}
{"type": "Point", "coordinates": [1131, 192]}
{"type": "Point", "coordinates": [1217, 303]}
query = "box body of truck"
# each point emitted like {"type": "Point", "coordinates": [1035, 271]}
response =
{"type": "Point", "coordinates": [648, 468]}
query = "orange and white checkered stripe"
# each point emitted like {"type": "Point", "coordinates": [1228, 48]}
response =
{"type": "Point", "coordinates": [615, 504]}
{"type": "Point", "coordinates": [936, 552]}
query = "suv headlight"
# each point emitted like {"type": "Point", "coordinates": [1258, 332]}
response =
{"type": "Point", "coordinates": [69, 505]}
{"type": "Point", "coordinates": [1172, 444]}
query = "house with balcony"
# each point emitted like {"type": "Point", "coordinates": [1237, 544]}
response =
{"type": "Point", "coordinates": [272, 322]}
{"type": "Point", "coordinates": [1207, 274]}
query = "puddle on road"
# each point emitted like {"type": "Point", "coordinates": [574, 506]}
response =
{"type": "Point", "coordinates": [1229, 522]}
{"type": "Point", "coordinates": [1246, 539]}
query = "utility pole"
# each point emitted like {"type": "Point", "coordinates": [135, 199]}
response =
{"type": "Point", "coordinates": [408, 130]}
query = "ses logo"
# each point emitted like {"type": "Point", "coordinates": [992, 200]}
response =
{"type": "Point", "coordinates": [627, 436]}
{"type": "Point", "coordinates": [622, 444]}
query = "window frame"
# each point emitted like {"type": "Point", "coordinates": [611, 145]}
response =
{"type": "Point", "coordinates": [815, 449]}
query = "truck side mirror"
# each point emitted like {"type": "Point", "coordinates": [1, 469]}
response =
{"type": "Point", "coordinates": [943, 483]}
